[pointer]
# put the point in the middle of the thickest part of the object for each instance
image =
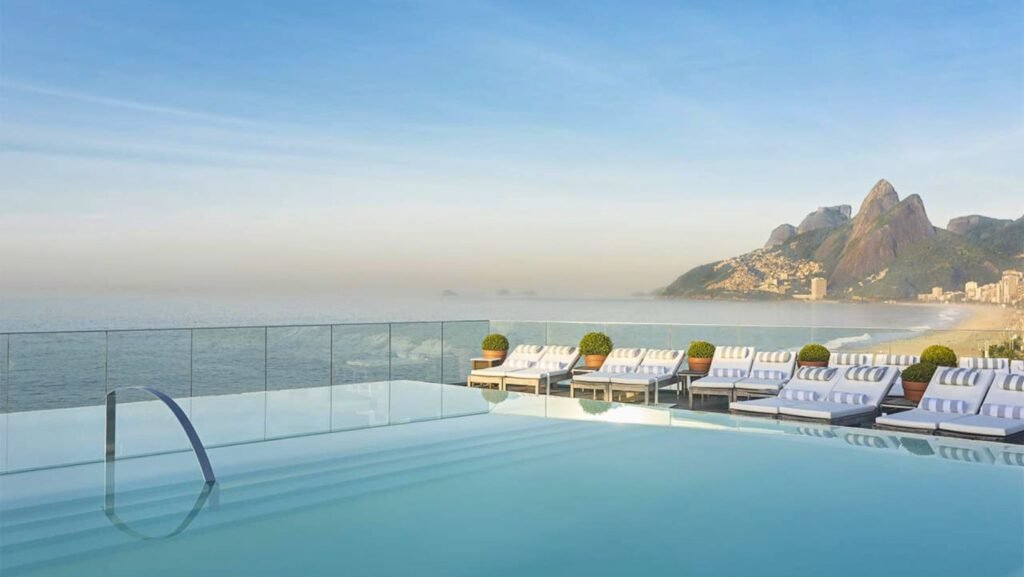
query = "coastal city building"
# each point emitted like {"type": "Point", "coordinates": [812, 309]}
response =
{"type": "Point", "coordinates": [819, 286]}
{"type": "Point", "coordinates": [1008, 290]}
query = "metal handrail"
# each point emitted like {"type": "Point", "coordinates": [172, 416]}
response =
{"type": "Point", "coordinates": [183, 420]}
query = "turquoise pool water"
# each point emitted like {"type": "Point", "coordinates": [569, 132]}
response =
{"type": "Point", "coordinates": [537, 487]}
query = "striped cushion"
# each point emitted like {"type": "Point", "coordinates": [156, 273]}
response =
{"type": "Point", "coordinates": [1003, 411]}
{"type": "Point", "coordinates": [559, 350]}
{"type": "Point", "coordinates": [798, 395]}
{"type": "Point", "coordinates": [935, 405]}
{"type": "Point", "coordinates": [551, 365]}
{"type": "Point", "coordinates": [661, 355]}
{"type": "Point", "coordinates": [959, 377]}
{"type": "Point", "coordinates": [1013, 458]}
{"type": "Point", "coordinates": [624, 353]}
{"type": "Point", "coordinates": [768, 374]}
{"type": "Point", "coordinates": [848, 398]}
{"type": "Point", "coordinates": [617, 369]}
{"type": "Point", "coordinates": [733, 352]}
{"type": "Point", "coordinates": [527, 349]}
{"type": "Point", "coordinates": [867, 374]}
{"type": "Point", "coordinates": [729, 373]}
{"type": "Point", "coordinates": [983, 363]}
{"type": "Point", "coordinates": [1013, 383]}
{"type": "Point", "coordinates": [959, 454]}
{"type": "Point", "coordinates": [519, 363]}
{"type": "Point", "coordinates": [825, 433]}
{"type": "Point", "coordinates": [865, 441]}
{"type": "Point", "coordinates": [815, 374]}
{"type": "Point", "coordinates": [846, 359]}
{"type": "Point", "coordinates": [774, 357]}
{"type": "Point", "coordinates": [898, 360]}
{"type": "Point", "coordinates": [653, 370]}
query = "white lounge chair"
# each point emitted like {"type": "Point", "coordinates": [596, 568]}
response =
{"type": "Point", "coordinates": [620, 361]}
{"type": "Point", "coordinates": [808, 384]}
{"type": "Point", "coordinates": [899, 362]}
{"type": "Point", "coordinates": [522, 357]}
{"type": "Point", "coordinates": [555, 365]}
{"type": "Point", "coordinates": [853, 400]}
{"type": "Point", "coordinates": [985, 364]}
{"type": "Point", "coordinates": [952, 393]}
{"type": "Point", "coordinates": [769, 373]}
{"type": "Point", "coordinates": [658, 368]}
{"type": "Point", "coordinates": [1001, 416]}
{"type": "Point", "coordinates": [844, 360]}
{"type": "Point", "coordinates": [728, 366]}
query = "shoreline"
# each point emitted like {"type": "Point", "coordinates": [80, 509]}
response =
{"type": "Point", "coordinates": [984, 325]}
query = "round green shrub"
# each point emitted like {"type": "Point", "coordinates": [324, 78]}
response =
{"type": "Point", "coordinates": [494, 342]}
{"type": "Point", "coordinates": [920, 373]}
{"type": "Point", "coordinates": [700, 350]}
{"type": "Point", "coordinates": [939, 355]}
{"type": "Point", "coordinates": [814, 354]}
{"type": "Point", "coordinates": [595, 344]}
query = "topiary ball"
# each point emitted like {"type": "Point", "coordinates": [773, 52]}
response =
{"type": "Point", "coordinates": [595, 344]}
{"type": "Point", "coordinates": [939, 355]}
{"type": "Point", "coordinates": [814, 354]}
{"type": "Point", "coordinates": [700, 350]}
{"type": "Point", "coordinates": [494, 342]}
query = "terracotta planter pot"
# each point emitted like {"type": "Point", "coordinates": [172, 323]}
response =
{"type": "Point", "coordinates": [594, 361]}
{"type": "Point", "coordinates": [494, 354]}
{"type": "Point", "coordinates": [812, 363]}
{"type": "Point", "coordinates": [699, 365]}
{"type": "Point", "coordinates": [913, 391]}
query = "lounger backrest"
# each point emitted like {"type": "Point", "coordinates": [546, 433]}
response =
{"type": "Point", "coordinates": [972, 393]}
{"type": "Point", "coordinates": [782, 361]}
{"type": "Point", "coordinates": [849, 359]}
{"type": "Point", "coordinates": [874, 382]}
{"type": "Point", "coordinates": [817, 380]}
{"type": "Point", "coordinates": [899, 361]}
{"type": "Point", "coordinates": [1017, 366]}
{"type": "Point", "coordinates": [523, 356]}
{"type": "Point", "coordinates": [558, 358]}
{"type": "Point", "coordinates": [1007, 389]}
{"type": "Point", "coordinates": [670, 359]}
{"type": "Point", "coordinates": [622, 358]}
{"type": "Point", "coordinates": [998, 365]}
{"type": "Point", "coordinates": [741, 358]}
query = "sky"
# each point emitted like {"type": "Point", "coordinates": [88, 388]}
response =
{"type": "Point", "coordinates": [569, 148]}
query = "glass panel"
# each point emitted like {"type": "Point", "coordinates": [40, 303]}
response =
{"type": "Point", "coordinates": [459, 401]}
{"type": "Point", "coordinates": [359, 405]}
{"type": "Point", "coordinates": [361, 353]}
{"type": "Point", "coordinates": [682, 335]}
{"type": "Point", "coordinates": [461, 343]}
{"type": "Point", "coordinates": [774, 338]}
{"type": "Point", "coordinates": [298, 380]}
{"type": "Point", "coordinates": [228, 384]}
{"type": "Point", "coordinates": [644, 336]}
{"type": "Point", "coordinates": [158, 359]}
{"type": "Point", "coordinates": [414, 401]}
{"type": "Point", "coordinates": [571, 333]}
{"type": "Point", "coordinates": [521, 333]}
{"type": "Point", "coordinates": [416, 352]}
{"type": "Point", "coordinates": [3, 373]}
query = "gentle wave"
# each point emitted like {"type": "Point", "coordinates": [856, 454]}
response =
{"type": "Point", "coordinates": [838, 343]}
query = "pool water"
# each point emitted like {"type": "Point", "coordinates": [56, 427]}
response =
{"type": "Point", "coordinates": [524, 494]}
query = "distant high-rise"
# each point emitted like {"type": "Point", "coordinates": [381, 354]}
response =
{"type": "Point", "coordinates": [1010, 285]}
{"type": "Point", "coordinates": [971, 290]}
{"type": "Point", "coordinates": [937, 292]}
{"type": "Point", "coordinates": [819, 287]}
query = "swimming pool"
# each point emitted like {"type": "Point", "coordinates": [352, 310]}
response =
{"type": "Point", "coordinates": [522, 485]}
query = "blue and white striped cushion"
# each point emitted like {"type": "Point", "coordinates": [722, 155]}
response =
{"type": "Point", "coordinates": [729, 373]}
{"type": "Point", "coordinates": [1013, 383]}
{"type": "Point", "coordinates": [661, 355]}
{"type": "Point", "coordinates": [768, 375]}
{"type": "Point", "coordinates": [865, 441]}
{"type": "Point", "coordinates": [959, 454]}
{"type": "Point", "coordinates": [624, 353]}
{"type": "Point", "coordinates": [526, 349]}
{"type": "Point", "coordinates": [798, 395]}
{"type": "Point", "coordinates": [653, 370]}
{"type": "Point", "coordinates": [559, 350]}
{"type": "Point", "coordinates": [1015, 459]}
{"type": "Point", "coordinates": [617, 369]}
{"type": "Point", "coordinates": [815, 374]}
{"type": "Point", "coordinates": [848, 398]}
{"type": "Point", "coordinates": [551, 365]}
{"type": "Point", "coordinates": [732, 352]}
{"type": "Point", "coordinates": [899, 360]}
{"type": "Point", "coordinates": [983, 363]}
{"type": "Point", "coordinates": [845, 359]}
{"type": "Point", "coordinates": [958, 377]}
{"type": "Point", "coordinates": [519, 363]}
{"type": "Point", "coordinates": [774, 357]}
{"type": "Point", "coordinates": [935, 405]}
{"type": "Point", "coordinates": [1003, 411]}
{"type": "Point", "coordinates": [867, 374]}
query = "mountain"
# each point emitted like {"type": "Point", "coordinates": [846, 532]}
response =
{"type": "Point", "coordinates": [888, 250]}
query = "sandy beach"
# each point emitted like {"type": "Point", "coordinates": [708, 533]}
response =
{"type": "Point", "coordinates": [984, 325]}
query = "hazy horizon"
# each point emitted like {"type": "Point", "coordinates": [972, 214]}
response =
{"type": "Point", "coordinates": [413, 147]}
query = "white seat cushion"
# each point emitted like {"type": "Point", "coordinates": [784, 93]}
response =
{"type": "Point", "coordinates": [769, 406]}
{"type": "Point", "coordinates": [714, 383]}
{"type": "Point", "coordinates": [596, 378]}
{"type": "Point", "coordinates": [499, 371]}
{"type": "Point", "coordinates": [917, 419]}
{"type": "Point", "coordinates": [539, 373]}
{"type": "Point", "coordinates": [824, 410]}
{"type": "Point", "coordinates": [638, 379]}
{"type": "Point", "coordinates": [761, 385]}
{"type": "Point", "coordinates": [983, 425]}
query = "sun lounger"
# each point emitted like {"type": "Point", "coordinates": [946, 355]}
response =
{"type": "Point", "coordinates": [554, 365]}
{"type": "Point", "coordinates": [769, 373]}
{"type": "Point", "coordinates": [658, 368]}
{"type": "Point", "coordinates": [619, 362]}
{"type": "Point", "coordinates": [844, 360]}
{"type": "Point", "coordinates": [522, 357]}
{"type": "Point", "coordinates": [807, 385]}
{"type": "Point", "coordinates": [951, 394]}
{"type": "Point", "coordinates": [1001, 416]}
{"type": "Point", "coordinates": [853, 400]}
{"type": "Point", "coordinates": [997, 365]}
{"type": "Point", "coordinates": [900, 362]}
{"type": "Point", "coordinates": [728, 365]}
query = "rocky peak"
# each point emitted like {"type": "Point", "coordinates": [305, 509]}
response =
{"type": "Point", "coordinates": [780, 234]}
{"type": "Point", "coordinates": [825, 217]}
{"type": "Point", "coordinates": [966, 224]}
{"type": "Point", "coordinates": [881, 199]}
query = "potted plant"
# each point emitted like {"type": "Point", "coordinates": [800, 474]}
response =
{"type": "Point", "coordinates": [813, 356]}
{"type": "Point", "coordinates": [595, 348]}
{"type": "Point", "coordinates": [494, 346]}
{"type": "Point", "coordinates": [699, 355]}
{"type": "Point", "coordinates": [915, 380]}
{"type": "Point", "coordinates": [939, 356]}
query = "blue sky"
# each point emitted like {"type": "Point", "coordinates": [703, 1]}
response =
{"type": "Point", "coordinates": [329, 145]}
